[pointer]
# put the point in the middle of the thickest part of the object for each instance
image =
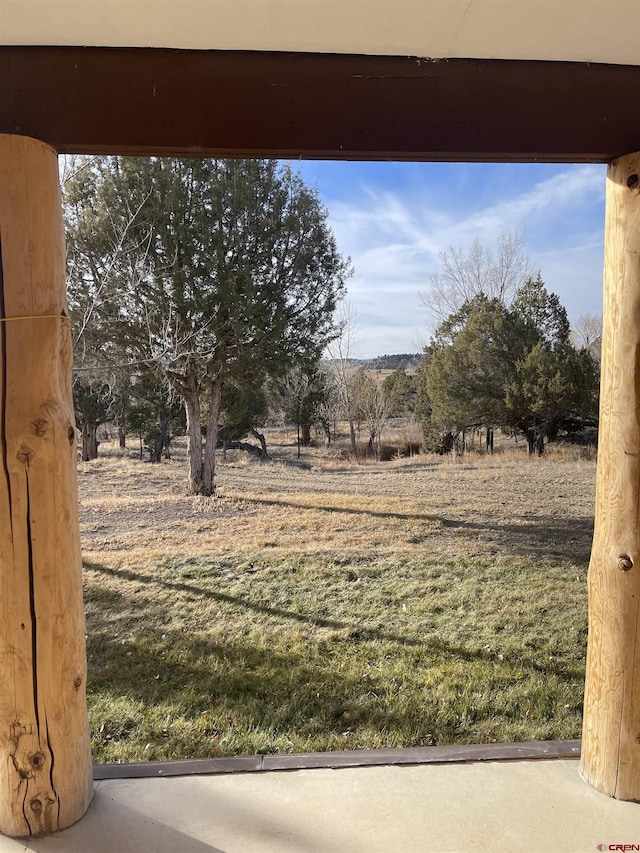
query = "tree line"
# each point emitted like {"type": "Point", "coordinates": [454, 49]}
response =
{"type": "Point", "coordinates": [206, 297]}
{"type": "Point", "coordinates": [514, 367]}
{"type": "Point", "coordinates": [503, 355]}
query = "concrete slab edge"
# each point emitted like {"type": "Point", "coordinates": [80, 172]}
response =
{"type": "Point", "coordinates": [533, 750]}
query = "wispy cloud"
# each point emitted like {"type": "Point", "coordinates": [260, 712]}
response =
{"type": "Point", "coordinates": [394, 237]}
{"type": "Point", "coordinates": [568, 192]}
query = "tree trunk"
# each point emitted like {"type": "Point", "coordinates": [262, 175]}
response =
{"type": "Point", "coordinates": [209, 467]}
{"type": "Point", "coordinates": [161, 441]}
{"type": "Point", "coordinates": [89, 440]}
{"type": "Point", "coordinates": [326, 428]}
{"type": "Point", "coordinates": [248, 448]}
{"type": "Point", "coordinates": [124, 409]}
{"type": "Point", "coordinates": [306, 435]}
{"type": "Point", "coordinates": [449, 443]}
{"type": "Point", "coordinates": [489, 440]}
{"type": "Point", "coordinates": [611, 733]}
{"type": "Point", "coordinates": [352, 436]}
{"type": "Point", "coordinates": [263, 443]}
{"type": "Point", "coordinates": [190, 394]}
{"type": "Point", "coordinates": [531, 441]}
{"type": "Point", "coordinates": [45, 760]}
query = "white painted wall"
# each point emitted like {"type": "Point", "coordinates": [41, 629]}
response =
{"type": "Point", "coordinates": [574, 30]}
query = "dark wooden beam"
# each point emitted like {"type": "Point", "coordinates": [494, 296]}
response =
{"type": "Point", "coordinates": [216, 103]}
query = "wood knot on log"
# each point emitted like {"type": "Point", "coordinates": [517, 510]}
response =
{"type": "Point", "coordinates": [25, 454]}
{"type": "Point", "coordinates": [38, 760]}
{"type": "Point", "coordinates": [77, 683]}
{"type": "Point", "coordinates": [625, 564]}
{"type": "Point", "coordinates": [40, 426]}
{"type": "Point", "coordinates": [633, 181]}
{"type": "Point", "coordinates": [37, 805]}
{"type": "Point", "coordinates": [71, 435]}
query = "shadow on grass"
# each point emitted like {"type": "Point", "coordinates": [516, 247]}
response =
{"type": "Point", "coordinates": [382, 468]}
{"type": "Point", "coordinates": [429, 645]}
{"type": "Point", "coordinates": [255, 696]}
{"type": "Point", "coordinates": [260, 701]}
{"type": "Point", "coordinates": [295, 689]}
{"type": "Point", "coordinates": [354, 632]}
{"type": "Point", "coordinates": [550, 536]}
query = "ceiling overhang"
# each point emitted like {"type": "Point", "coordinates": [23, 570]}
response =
{"type": "Point", "coordinates": [254, 103]}
{"type": "Point", "coordinates": [599, 31]}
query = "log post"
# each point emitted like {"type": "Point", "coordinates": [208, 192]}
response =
{"type": "Point", "coordinates": [611, 732]}
{"type": "Point", "coordinates": [45, 761]}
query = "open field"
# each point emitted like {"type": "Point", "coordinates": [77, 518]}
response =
{"type": "Point", "coordinates": [326, 605]}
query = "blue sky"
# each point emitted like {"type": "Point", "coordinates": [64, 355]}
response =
{"type": "Point", "coordinates": [393, 219]}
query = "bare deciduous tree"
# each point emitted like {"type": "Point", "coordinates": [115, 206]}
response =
{"type": "Point", "coordinates": [466, 274]}
{"type": "Point", "coordinates": [342, 352]}
{"type": "Point", "coordinates": [371, 407]}
{"type": "Point", "coordinates": [587, 334]}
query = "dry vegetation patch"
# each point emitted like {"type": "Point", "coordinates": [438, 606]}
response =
{"type": "Point", "coordinates": [326, 605]}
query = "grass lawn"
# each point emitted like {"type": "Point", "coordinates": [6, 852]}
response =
{"type": "Point", "coordinates": [329, 605]}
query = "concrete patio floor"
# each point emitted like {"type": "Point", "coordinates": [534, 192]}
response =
{"type": "Point", "coordinates": [492, 806]}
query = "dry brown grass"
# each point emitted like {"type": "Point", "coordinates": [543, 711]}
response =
{"type": "Point", "coordinates": [466, 506]}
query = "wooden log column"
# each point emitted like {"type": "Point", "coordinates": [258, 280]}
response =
{"type": "Point", "coordinates": [611, 733]}
{"type": "Point", "coordinates": [45, 761]}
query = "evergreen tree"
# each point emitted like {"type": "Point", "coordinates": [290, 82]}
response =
{"type": "Point", "coordinates": [490, 366]}
{"type": "Point", "coordinates": [152, 413]}
{"type": "Point", "coordinates": [543, 314]}
{"type": "Point", "coordinates": [468, 378]}
{"type": "Point", "coordinates": [244, 408]}
{"type": "Point", "coordinates": [215, 271]}
{"type": "Point", "coordinates": [399, 392]}
{"type": "Point", "coordinates": [94, 405]}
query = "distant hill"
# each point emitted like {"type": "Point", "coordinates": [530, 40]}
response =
{"type": "Point", "coordinates": [387, 363]}
{"type": "Point", "coordinates": [391, 362]}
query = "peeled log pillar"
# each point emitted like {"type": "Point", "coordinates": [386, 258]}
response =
{"type": "Point", "coordinates": [45, 761]}
{"type": "Point", "coordinates": [611, 733]}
